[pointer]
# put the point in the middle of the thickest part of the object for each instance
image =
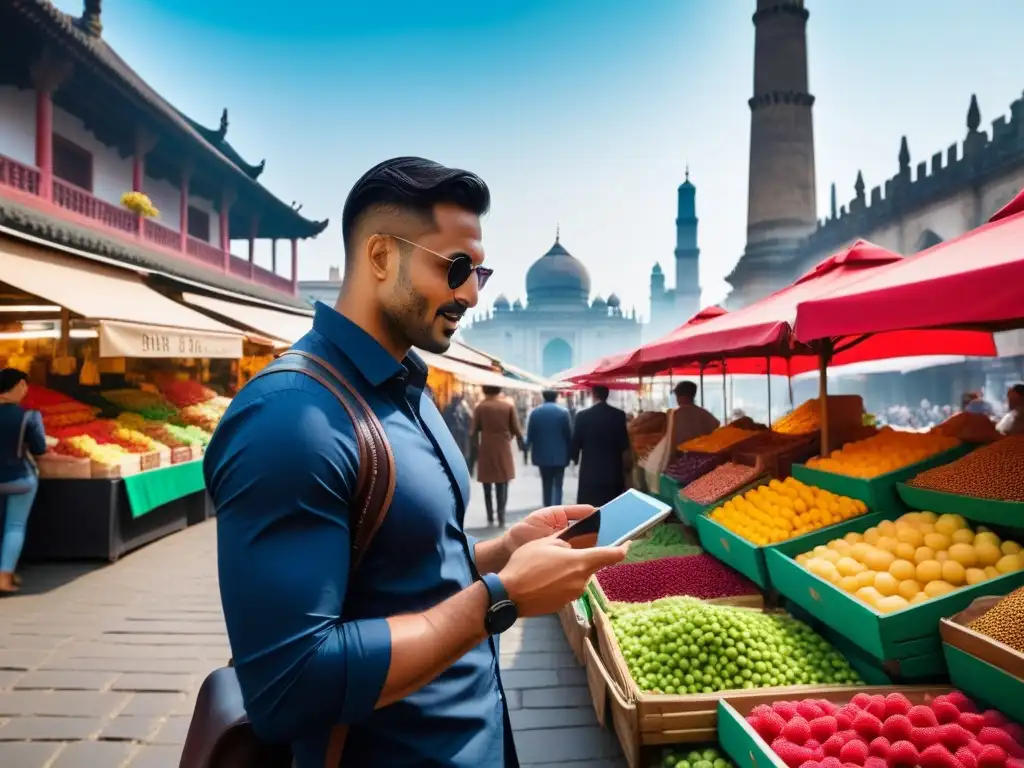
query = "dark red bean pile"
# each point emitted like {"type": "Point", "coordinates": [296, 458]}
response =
{"type": "Point", "coordinates": [719, 482]}
{"type": "Point", "coordinates": [689, 465]}
{"type": "Point", "coordinates": [700, 576]}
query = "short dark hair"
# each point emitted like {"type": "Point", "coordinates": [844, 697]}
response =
{"type": "Point", "coordinates": [549, 395]}
{"type": "Point", "coordinates": [411, 185]}
{"type": "Point", "coordinates": [10, 378]}
{"type": "Point", "coordinates": [489, 390]}
{"type": "Point", "coordinates": [1018, 388]}
{"type": "Point", "coordinates": [686, 389]}
{"type": "Point", "coordinates": [600, 392]}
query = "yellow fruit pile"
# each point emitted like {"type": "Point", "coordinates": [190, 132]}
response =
{"type": "Point", "coordinates": [719, 440]}
{"type": "Point", "coordinates": [912, 559]}
{"type": "Point", "coordinates": [102, 453]}
{"type": "Point", "coordinates": [843, 411]}
{"type": "Point", "coordinates": [885, 452]}
{"type": "Point", "coordinates": [782, 510]}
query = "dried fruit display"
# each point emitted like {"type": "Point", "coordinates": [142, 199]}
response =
{"type": "Point", "coordinates": [666, 540]}
{"type": "Point", "coordinates": [695, 576]}
{"type": "Point", "coordinates": [719, 483]}
{"type": "Point", "coordinates": [687, 467]}
{"type": "Point", "coordinates": [150, 405]}
{"type": "Point", "coordinates": [1004, 621]}
{"type": "Point", "coordinates": [57, 409]}
{"type": "Point", "coordinates": [185, 392]}
{"type": "Point", "coordinates": [683, 645]}
{"type": "Point", "coordinates": [646, 430]}
{"type": "Point", "coordinates": [719, 440]}
{"type": "Point", "coordinates": [991, 472]}
{"type": "Point", "coordinates": [84, 446]}
{"type": "Point", "coordinates": [915, 558]}
{"type": "Point", "coordinates": [969, 427]}
{"type": "Point", "coordinates": [681, 757]}
{"type": "Point", "coordinates": [843, 410]}
{"type": "Point", "coordinates": [885, 452]}
{"type": "Point", "coordinates": [784, 509]}
{"type": "Point", "coordinates": [949, 731]}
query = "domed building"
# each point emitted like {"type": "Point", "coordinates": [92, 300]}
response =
{"type": "Point", "coordinates": [559, 326]}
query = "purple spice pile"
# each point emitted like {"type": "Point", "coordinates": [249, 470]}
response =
{"type": "Point", "coordinates": [700, 576]}
{"type": "Point", "coordinates": [689, 465]}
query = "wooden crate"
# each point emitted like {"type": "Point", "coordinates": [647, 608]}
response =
{"type": "Point", "coordinates": [755, 600]}
{"type": "Point", "coordinates": [576, 628]}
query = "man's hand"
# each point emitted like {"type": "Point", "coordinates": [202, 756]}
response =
{"type": "Point", "coordinates": [543, 522]}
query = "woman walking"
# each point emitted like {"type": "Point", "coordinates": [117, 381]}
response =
{"type": "Point", "coordinates": [495, 423]}
{"type": "Point", "coordinates": [21, 436]}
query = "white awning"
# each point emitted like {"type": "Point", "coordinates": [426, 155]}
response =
{"type": "Point", "coordinates": [263, 320]}
{"type": "Point", "coordinates": [470, 374]}
{"type": "Point", "coordinates": [462, 353]}
{"type": "Point", "coordinates": [141, 322]}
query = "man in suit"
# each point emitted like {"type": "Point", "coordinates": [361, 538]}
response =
{"type": "Point", "coordinates": [600, 445]}
{"type": "Point", "coordinates": [548, 439]}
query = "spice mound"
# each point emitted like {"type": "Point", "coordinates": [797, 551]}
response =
{"type": "Point", "coordinates": [719, 483]}
{"type": "Point", "coordinates": [991, 472]}
{"type": "Point", "coordinates": [1004, 621]}
{"type": "Point", "coordinates": [699, 576]}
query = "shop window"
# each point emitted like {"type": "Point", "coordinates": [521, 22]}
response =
{"type": "Point", "coordinates": [198, 224]}
{"type": "Point", "coordinates": [72, 163]}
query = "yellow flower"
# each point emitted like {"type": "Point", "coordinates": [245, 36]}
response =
{"type": "Point", "coordinates": [140, 204]}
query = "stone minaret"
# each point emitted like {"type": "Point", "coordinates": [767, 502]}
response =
{"type": "Point", "coordinates": [687, 253]}
{"type": "Point", "coordinates": [781, 207]}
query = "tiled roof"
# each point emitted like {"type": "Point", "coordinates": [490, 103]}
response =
{"type": "Point", "coordinates": [69, 30]}
{"type": "Point", "coordinates": [35, 223]}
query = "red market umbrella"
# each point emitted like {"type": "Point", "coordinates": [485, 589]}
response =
{"type": "Point", "coordinates": [972, 281]}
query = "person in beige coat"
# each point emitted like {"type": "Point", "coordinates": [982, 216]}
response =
{"type": "Point", "coordinates": [495, 424]}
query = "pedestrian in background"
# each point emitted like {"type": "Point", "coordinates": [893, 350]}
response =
{"type": "Point", "coordinates": [459, 418]}
{"type": "Point", "coordinates": [495, 425]}
{"type": "Point", "coordinates": [549, 441]}
{"type": "Point", "coordinates": [600, 445]}
{"type": "Point", "coordinates": [689, 420]}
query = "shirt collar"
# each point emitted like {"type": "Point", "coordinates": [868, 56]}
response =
{"type": "Point", "coordinates": [375, 363]}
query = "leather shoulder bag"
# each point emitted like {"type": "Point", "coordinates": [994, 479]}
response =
{"type": "Point", "coordinates": [220, 735]}
{"type": "Point", "coordinates": [24, 484]}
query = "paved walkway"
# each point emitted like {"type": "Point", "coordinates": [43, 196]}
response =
{"type": "Point", "coordinates": [99, 666]}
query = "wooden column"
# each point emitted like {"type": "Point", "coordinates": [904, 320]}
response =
{"type": "Point", "coordinates": [254, 224]}
{"type": "Point", "coordinates": [47, 73]}
{"type": "Point", "coordinates": [186, 178]}
{"type": "Point", "coordinates": [295, 266]}
{"type": "Point", "coordinates": [273, 255]}
{"type": "Point", "coordinates": [144, 142]}
{"type": "Point", "coordinates": [226, 201]}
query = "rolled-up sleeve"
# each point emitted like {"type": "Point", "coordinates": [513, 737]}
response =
{"type": "Point", "coordinates": [280, 477]}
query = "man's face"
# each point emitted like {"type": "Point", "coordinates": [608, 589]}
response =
{"type": "Point", "coordinates": [1013, 399]}
{"type": "Point", "coordinates": [418, 303]}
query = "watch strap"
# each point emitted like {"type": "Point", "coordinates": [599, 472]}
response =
{"type": "Point", "coordinates": [495, 588]}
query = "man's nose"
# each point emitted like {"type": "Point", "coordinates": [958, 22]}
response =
{"type": "Point", "coordinates": [468, 294]}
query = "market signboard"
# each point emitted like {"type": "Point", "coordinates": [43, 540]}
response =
{"type": "Point", "coordinates": [131, 340]}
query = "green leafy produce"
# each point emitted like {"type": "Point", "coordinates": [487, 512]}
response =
{"type": "Point", "coordinates": [681, 757]}
{"type": "Point", "coordinates": [189, 435]}
{"type": "Point", "coordinates": [668, 540]}
{"type": "Point", "coordinates": [682, 645]}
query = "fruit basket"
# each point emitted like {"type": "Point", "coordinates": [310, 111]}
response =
{"type": "Point", "coordinates": [879, 492]}
{"type": "Point", "coordinates": [981, 665]}
{"type": "Point", "coordinates": [749, 749]}
{"type": "Point", "coordinates": [992, 511]}
{"type": "Point", "coordinates": [641, 718]}
{"type": "Point", "coordinates": [748, 557]}
{"type": "Point", "coordinates": [906, 639]}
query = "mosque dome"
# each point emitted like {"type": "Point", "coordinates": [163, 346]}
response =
{"type": "Point", "coordinates": [598, 303]}
{"type": "Point", "coordinates": [501, 303]}
{"type": "Point", "coordinates": [614, 301]}
{"type": "Point", "coordinates": [517, 305]}
{"type": "Point", "coordinates": [557, 277]}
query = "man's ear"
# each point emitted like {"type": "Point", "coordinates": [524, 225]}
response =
{"type": "Point", "coordinates": [379, 252]}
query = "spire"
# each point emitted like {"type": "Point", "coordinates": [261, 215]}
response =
{"type": "Point", "coordinates": [687, 172]}
{"type": "Point", "coordinates": [90, 20]}
{"type": "Point", "coordinates": [858, 185]}
{"type": "Point", "coordinates": [904, 155]}
{"type": "Point", "coordinates": [223, 130]}
{"type": "Point", "coordinates": [973, 115]}
{"type": "Point", "coordinates": [833, 200]}
{"type": "Point", "coordinates": [558, 232]}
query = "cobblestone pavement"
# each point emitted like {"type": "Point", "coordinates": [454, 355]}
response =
{"type": "Point", "coordinates": [99, 666]}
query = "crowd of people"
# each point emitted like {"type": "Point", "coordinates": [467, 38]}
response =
{"type": "Point", "coordinates": [926, 414]}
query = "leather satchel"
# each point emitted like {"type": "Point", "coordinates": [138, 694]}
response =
{"type": "Point", "coordinates": [220, 735]}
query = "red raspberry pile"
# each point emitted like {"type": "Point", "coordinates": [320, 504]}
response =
{"type": "Point", "coordinates": [889, 732]}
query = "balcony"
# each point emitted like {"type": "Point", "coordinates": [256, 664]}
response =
{"type": "Point", "coordinates": [24, 183]}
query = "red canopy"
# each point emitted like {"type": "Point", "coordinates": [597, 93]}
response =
{"type": "Point", "coordinates": [974, 280]}
{"type": "Point", "coordinates": [764, 328]}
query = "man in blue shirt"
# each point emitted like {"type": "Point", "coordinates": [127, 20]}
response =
{"type": "Point", "coordinates": [549, 441]}
{"type": "Point", "coordinates": [403, 650]}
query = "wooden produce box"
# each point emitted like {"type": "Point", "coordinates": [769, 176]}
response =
{"type": "Point", "coordinates": [130, 465]}
{"type": "Point", "coordinates": [56, 466]}
{"type": "Point", "coordinates": [906, 641]}
{"type": "Point", "coordinates": [669, 487]}
{"type": "Point", "coordinates": [751, 560]}
{"type": "Point", "coordinates": [980, 666]}
{"type": "Point", "coordinates": [600, 598]}
{"type": "Point", "coordinates": [777, 464]}
{"type": "Point", "coordinates": [642, 719]}
{"type": "Point", "coordinates": [748, 750]}
{"type": "Point", "coordinates": [879, 493]}
{"type": "Point", "coordinates": [991, 511]}
{"type": "Point", "coordinates": [577, 627]}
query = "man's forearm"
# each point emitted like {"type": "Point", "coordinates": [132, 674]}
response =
{"type": "Point", "coordinates": [491, 555]}
{"type": "Point", "coordinates": [423, 645]}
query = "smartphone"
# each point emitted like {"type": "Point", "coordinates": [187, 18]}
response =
{"type": "Point", "coordinates": [620, 520]}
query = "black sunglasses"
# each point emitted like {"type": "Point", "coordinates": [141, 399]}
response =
{"type": "Point", "coordinates": [460, 267]}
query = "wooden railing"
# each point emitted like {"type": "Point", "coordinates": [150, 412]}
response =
{"type": "Point", "coordinates": [27, 179]}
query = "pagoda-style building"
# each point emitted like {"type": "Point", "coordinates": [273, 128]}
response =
{"type": "Point", "coordinates": [79, 128]}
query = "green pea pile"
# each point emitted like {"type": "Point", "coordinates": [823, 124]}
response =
{"type": "Point", "coordinates": [667, 540]}
{"type": "Point", "coordinates": [680, 645]}
{"type": "Point", "coordinates": [678, 757]}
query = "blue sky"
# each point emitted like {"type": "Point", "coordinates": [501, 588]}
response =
{"type": "Point", "coordinates": [583, 113]}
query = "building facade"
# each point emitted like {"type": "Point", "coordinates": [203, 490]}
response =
{"type": "Point", "coordinates": [322, 290]}
{"type": "Point", "coordinates": [559, 326]}
{"type": "Point", "coordinates": [79, 129]}
{"type": "Point", "coordinates": [671, 307]}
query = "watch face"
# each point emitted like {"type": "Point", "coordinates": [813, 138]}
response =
{"type": "Point", "coordinates": [501, 616]}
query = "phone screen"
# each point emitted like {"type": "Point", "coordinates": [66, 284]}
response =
{"type": "Point", "coordinates": [618, 521]}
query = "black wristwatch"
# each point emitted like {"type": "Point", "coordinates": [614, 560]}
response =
{"type": "Point", "coordinates": [502, 612]}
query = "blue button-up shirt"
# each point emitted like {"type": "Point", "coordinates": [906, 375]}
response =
{"type": "Point", "coordinates": [310, 641]}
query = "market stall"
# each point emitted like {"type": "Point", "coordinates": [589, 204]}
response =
{"type": "Point", "coordinates": [128, 383]}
